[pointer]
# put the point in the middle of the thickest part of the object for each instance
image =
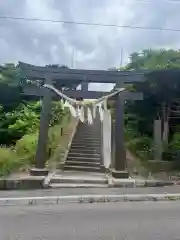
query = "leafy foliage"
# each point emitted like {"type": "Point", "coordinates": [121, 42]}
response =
{"type": "Point", "coordinates": [161, 93]}
{"type": "Point", "coordinates": [8, 161]}
{"type": "Point", "coordinates": [154, 59]}
{"type": "Point", "coordinates": [24, 119]}
{"type": "Point", "coordinates": [58, 113]}
{"type": "Point", "coordinates": [141, 147]}
{"type": "Point", "coordinates": [26, 148]}
{"type": "Point", "coordinates": [20, 119]}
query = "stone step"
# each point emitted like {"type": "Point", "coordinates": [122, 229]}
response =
{"type": "Point", "coordinates": [83, 147]}
{"type": "Point", "coordinates": [84, 154]}
{"type": "Point", "coordinates": [87, 138]}
{"type": "Point", "coordinates": [78, 179]}
{"type": "Point", "coordinates": [82, 141]}
{"type": "Point", "coordinates": [90, 147]}
{"type": "Point", "coordinates": [88, 129]}
{"type": "Point", "coordinates": [87, 162]}
{"type": "Point", "coordinates": [78, 185]}
{"type": "Point", "coordinates": [82, 158]}
{"type": "Point", "coordinates": [92, 139]}
{"type": "Point", "coordinates": [86, 125]}
{"type": "Point", "coordinates": [81, 168]}
{"type": "Point", "coordinates": [86, 145]}
{"type": "Point", "coordinates": [84, 135]}
{"type": "Point", "coordinates": [83, 150]}
{"type": "Point", "coordinates": [82, 163]}
{"type": "Point", "coordinates": [96, 131]}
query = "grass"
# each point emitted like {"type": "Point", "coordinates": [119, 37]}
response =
{"type": "Point", "coordinates": [26, 148]}
{"type": "Point", "coordinates": [9, 161]}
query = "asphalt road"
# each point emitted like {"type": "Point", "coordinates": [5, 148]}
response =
{"type": "Point", "coordinates": [124, 221]}
{"type": "Point", "coordinates": [80, 191]}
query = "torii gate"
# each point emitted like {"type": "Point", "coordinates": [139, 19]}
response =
{"type": "Point", "coordinates": [57, 76]}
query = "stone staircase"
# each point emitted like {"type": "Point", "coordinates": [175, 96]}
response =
{"type": "Point", "coordinates": [85, 151]}
{"type": "Point", "coordinates": [82, 168]}
{"type": "Point", "coordinates": [79, 179]}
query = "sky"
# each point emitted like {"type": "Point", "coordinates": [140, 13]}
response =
{"type": "Point", "coordinates": [90, 47]}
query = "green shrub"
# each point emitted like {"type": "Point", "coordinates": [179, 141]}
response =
{"type": "Point", "coordinates": [172, 150]}
{"type": "Point", "coordinates": [174, 145]}
{"type": "Point", "coordinates": [141, 147]}
{"type": "Point", "coordinates": [54, 134]}
{"type": "Point", "coordinates": [22, 124]}
{"type": "Point", "coordinates": [26, 147]}
{"type": "Point", "coordinates": [130, 134]}
{"type": "Point", "coordinates": [57, 113]}
{"type": "Point", "coordinates": [8, 161]}
{"type": "Point", "coordinates": [54, 137]}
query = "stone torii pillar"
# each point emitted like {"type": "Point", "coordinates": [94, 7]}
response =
{"type": "Point", "coordinates": [119, 164]}
{"type": "Point", "coordinates": [119, 161]}
{"type": "Point", "coordinates": [41, 152]}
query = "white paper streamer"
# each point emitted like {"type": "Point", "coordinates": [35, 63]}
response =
{"type": "Point", "coordinates": [71, 109]}
{"type": "Point", "coordinates": [105, 105]}
{"type": "Point", "coordinates": [66, 104]}
{"type": "Point", "coordinates": [94, 111]}
{"type": "Point", "coordinates": [101, 112]}
{"type": "Point", "coordinates": [62, 104]}
{"type": "Point", "coordinates": [89, 116]}
{"type": "Point", "coordinates": [78, 111]}
{"type": "Point", "coordinates": [81, 114]}
{"type": "Point", "coordinates": [70, 100]}
{"type": "Point", "coordinates": [97, 101]}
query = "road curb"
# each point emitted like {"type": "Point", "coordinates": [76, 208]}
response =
{"type": "Point", "coordinates": [22, 183]}
{"type": "Point", "coordinates": [138, 183]}
{"type": "Point", "coordinates": [44, 183]}
{"type": "Point", "coordinates": [54, 200]}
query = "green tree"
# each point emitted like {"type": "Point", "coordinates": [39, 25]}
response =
{"type": "Point", "coordinates": [161, 90]}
